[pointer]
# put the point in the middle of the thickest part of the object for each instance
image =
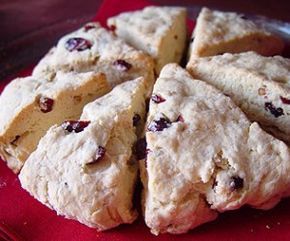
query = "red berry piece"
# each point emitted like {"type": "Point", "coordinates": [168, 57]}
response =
{"type": "Point", "coordinates": [157, 99]}
{"type": "Point", "coordinates": [159, 125]}
{"type": "Point", "coordinates": [180, 118]}
{"type": "Point", "coordinates": [285, 100]}
{"type": "Point", "coordinates": [236, 183]}
{"type": "Point", "coordinates": [75, 126]}
{"type": "Point", "coordinates": [112, 28]}
{"type": "Point", "coordinates": [122, 65]}
{"type": "Point", "coordinates": [99, 155]}
{"type": "Point", "coordinates": [88, 27]}
{"type": "Point", "coordinates": [77, 44]}
{"type": "Point", "coordinates": [45, 104]}
{"type": "Point", "coordinates": [274, 110]}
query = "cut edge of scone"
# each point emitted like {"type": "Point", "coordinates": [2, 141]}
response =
{"type": "Point", "coordinates": [159, 31]}
{"type": "Point", "coordinates": [93, 48]}
{"type": "Point", "coordinates": [88, 173]}
{"type": "Point", "coordinates": [219, 32]}
{"type": "Point", "coordinates": [232, 158]}
{"type": "Point", "coordinates": [31, 105]}
{"type": "Point", "coordinates": [259, 85]}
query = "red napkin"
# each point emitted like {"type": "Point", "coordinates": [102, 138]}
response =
{"type": "Point", "coordinates": [35, 222]}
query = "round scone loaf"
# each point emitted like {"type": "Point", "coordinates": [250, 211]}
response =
{"type": "Point", "coordinates": [259, 85]}
{"type": "Point", "coordinates": [94, 48]}
{"type": "Point", "coordinates": [84, 169]}
{"type": "Point", "coordinates": [204, 156]}
{"type": "Point", "coordinates": [158, 31]}
{"type": "Point", "coordinates": [219, 32]}
{"type": "Point", "coordinates": [30, 105]}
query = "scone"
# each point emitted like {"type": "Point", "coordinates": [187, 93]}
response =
{"type": "Point", "coordinates": [227, 32]}
{"type": "Point", "coordinates": [158, 31]}
{"type": "Point", "coordinates": [259, 85]}
{"type": "Point", "coordinates": [204, 156]}
{"type": "Point", "coordinates": [29, 106]}
{"type": "Point", "coordinates": [84, 169]}
{"type": "Point", "coordinates": [94, 48]}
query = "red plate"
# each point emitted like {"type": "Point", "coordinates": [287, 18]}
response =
{"type": "Point", "coordinates": [35, 222]}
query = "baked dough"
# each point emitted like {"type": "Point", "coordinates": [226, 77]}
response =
{"type": "Point", "coordinates": [259, 85]}
{"type": "Point", "coordinates": [158, 31]}
{"type": "Point", "coordinates": [219, 32]}
{"type": "Point", "coordinates": [84, 169]}
{"type": "Point", "coordinates": [204, 155]}
{"type": "Point", "coordinates": [94, 48]}
{"type": "Point", "coordinates": [30, 105]}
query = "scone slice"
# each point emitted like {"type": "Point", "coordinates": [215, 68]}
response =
{"type": "Point", "coordinates": [204, 155]}
{"type": "Point", "coordinates": [84, 169]}
{"type": "Point", "coordinates": [219, 32]}
{"type": "Point", "coordinates": [30, 105]}
{"type": "Point", "coordinates": [259, 85]}
{"type": "Point", "coordinates": [94, 48]}
{"type": "Point", "coordinates": [158, 31]}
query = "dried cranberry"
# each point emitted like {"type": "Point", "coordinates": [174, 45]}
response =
{"type": "Point", "coordinates": [78, 44]}
{"type": "Point", "coordinates": [75, 126]}
{"type": "Point", "coordinates": [236, 183]}
{"type": "Point", "coordinates": [136, 119]}
{"type": "Point", "coordinates": [112, 28]}
{"type": "Point", "coordinates": [274, 111]}
{"type": "Point", "coordinates": [99, 156]}
{"type": "Point", "coordinates": [140, 150]}
{"type": "Point", "coordinates": [285, 100]}
{"type": "Point", "coordinates": [45, 104]}
{"type": "Point", "coordinates": [122, 65]}
{"type": "Point", "coordinates": [88, 27]}
{"type": "Point", "coordinates": [180, 118]}
{"type": "Point", "coordinates": [159, 125]}
{"type": "Point", "coordinates": [157, 99]}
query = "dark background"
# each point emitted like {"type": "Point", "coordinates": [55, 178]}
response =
{"type": "Point", "coordinates": [29, 27]}
{"type": "Point", "coordinates": [18, 17]}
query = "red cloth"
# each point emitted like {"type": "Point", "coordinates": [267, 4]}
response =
{"type": "Point", "coordinates": [35, 222]}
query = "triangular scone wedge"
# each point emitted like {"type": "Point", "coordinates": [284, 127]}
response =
{"type": "Point", "coordinates": [84, 169]}
{"type": "Point", "coordinates": [204, 155]}
{"type": "Point", "coordinates": [158, 31]}
{"type": "Point", "coordinates": [227, 32]}
{"type": "Point", "coordinates": [30, 105]}
{"type": "Point", "coordinates": [94, 48]}
{"type": "Point", "coordinates": [259, 85]}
